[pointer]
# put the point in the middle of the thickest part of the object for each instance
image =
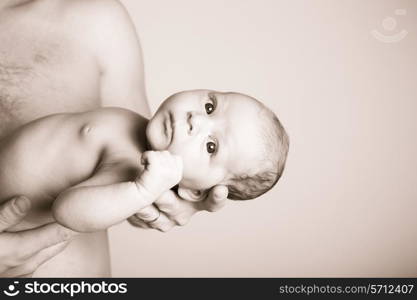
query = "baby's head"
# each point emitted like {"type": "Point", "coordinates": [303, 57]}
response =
{"type": "Point", "coordinates": [223, 138]}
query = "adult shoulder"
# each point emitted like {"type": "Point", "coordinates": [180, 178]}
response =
{"type": "Point", "coordinates": [107, 30]}
{"type": "Point", "coordinates": [103, 22]}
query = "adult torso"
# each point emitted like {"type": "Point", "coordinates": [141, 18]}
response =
{"type": "Point", "coordinates": [45, 69]}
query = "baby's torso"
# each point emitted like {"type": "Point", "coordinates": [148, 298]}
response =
{"type": "Point", "coordinates": [39, 160]}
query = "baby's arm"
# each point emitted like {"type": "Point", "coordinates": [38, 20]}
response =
{"type": "Point", "coordinates": [115, 192]}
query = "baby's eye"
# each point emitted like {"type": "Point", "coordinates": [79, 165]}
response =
{"type": "Point", "coordinates": [211, 147]}
{"type": "Point", "coordinates": [210, 106]}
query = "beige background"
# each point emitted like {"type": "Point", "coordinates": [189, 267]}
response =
{"type": "Point", "coordinates": [347, 203]}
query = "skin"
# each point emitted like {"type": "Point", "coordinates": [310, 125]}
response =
{"type": "Point", "coordinates": [101, 149]}
{"type": "Point", "coordinates": [54, 57]}
{"type": "Point", "coordinates": [31, 247]}
{"type": "Point", "coordinates": [98, 181]}
{"type": "Point", "coordinates": [213, 130]}
{"type": "Point", "coordinates": [93, 148]}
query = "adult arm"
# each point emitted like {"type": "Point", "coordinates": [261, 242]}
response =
{"type": "Point", "coordinates": [120, 59]}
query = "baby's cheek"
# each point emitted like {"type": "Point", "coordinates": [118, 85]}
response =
{"type": "Point", "coordinates": [188, 154]}
{"type": "Point", "coordinates": [195, 164]}
{"type": "Point", "coordinates": [192, 167]}
{"type": "Point", "coordinates": [193, 182]}
{"type": "Point", "coordinates": [194, 171]}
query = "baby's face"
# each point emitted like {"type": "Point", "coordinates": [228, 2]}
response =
{"type": "Point", "coordinates": [216, 134]}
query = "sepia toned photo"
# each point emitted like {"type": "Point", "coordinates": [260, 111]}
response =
{"type": "Point", "coordinates": [208, 138]}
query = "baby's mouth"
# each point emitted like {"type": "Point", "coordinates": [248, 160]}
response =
{"type": "Point", "coordinates": [169, 127]}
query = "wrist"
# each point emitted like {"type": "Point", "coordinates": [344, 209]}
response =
{"type": "Point", "coordinates": [144, 192]}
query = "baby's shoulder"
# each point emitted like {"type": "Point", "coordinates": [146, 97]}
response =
{"type": "Point", "coordinates": [114, 115]}
{"type": "Point", "coordinates": [116, 118]}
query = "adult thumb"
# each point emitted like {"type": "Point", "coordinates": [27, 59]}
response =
{"type": "Point", "coordinates": [13, 211]}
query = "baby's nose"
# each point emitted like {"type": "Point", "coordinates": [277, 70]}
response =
{"type": "Point", "coordinates": [197, 123]}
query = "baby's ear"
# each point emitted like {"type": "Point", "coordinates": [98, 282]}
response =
{"type": "Point", "coordinates": [192, 195]}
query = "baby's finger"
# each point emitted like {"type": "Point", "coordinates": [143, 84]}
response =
{"type": "Point", "coordinates": [216, 199]}
{"type": "Point", "coordinates": [144, 158]}
{"type": "Point", "coordinates": [179, 162]}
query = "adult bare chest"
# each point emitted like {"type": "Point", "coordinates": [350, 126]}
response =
{"type": "Point", "coordinates": [44, 69]}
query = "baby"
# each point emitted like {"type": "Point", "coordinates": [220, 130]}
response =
{"type": "Point", "coordinates": [91, 170]}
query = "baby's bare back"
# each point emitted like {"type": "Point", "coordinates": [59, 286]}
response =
{"type": "Point", "coordinates": [43, 158]}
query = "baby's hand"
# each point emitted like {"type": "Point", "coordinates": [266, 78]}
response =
{"type": "Point", "coordinates": [163, 170]}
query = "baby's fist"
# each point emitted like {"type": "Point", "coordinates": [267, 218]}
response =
{"type": "Point", "coordinates": [163, 170]}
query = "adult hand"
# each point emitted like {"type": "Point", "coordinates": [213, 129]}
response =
{"type": "Point", "coordinates": [170, 210]}
{"type": "Point", "coordinates": [21, 253]}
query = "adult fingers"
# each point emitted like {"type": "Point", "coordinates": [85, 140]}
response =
{"type": "Point", "coordinates": [152, 217]}
{"type": "Point", "coordinates": [13, 211]}
{"type": "Point", "coordinates": [175, 208]}
{"type": "Point", "coordinates": [25, 275]}
{"type": "Point", "coordinates": [169, 203]}
{"type": "Point", "coordinates": [31, 265]}
{"type": "Point", "coordinates": [148, 213]}
{"type": "Point", "coordinates": [163, 223]}
{"type": "Point", "coordinates": [135, 221]}
{"type": "Point", "coordinates": [33, 240]}
{"type": "Point", "coordinates": [216, 198]}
